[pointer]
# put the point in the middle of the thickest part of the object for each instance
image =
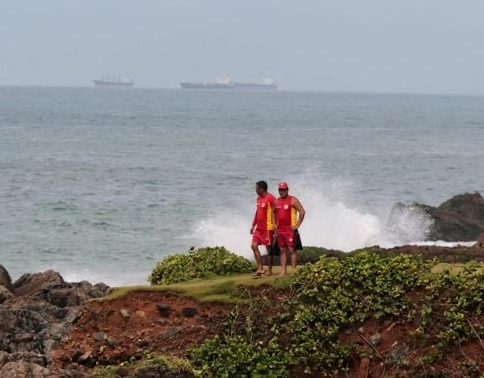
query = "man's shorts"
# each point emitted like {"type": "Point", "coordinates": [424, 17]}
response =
{"type": "Point", "coordinates": [262, 237]}
{"type": "Point", "coordinates": [285, 239]}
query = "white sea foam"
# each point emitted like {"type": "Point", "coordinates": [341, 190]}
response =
{"type": "Point", "coordinates": [332, 221]}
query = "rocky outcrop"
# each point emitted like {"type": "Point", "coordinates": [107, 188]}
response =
{"type": "Point", "coordinates": [5, 279]}
{"type": "Point", "coordinates": [11, 368]}
{"type": "Point", "coordinates": [38, 311]}
{"type": "Point", "coordinates": [460, 218]}
{"type": "Point", "coordinates": [480, 241]}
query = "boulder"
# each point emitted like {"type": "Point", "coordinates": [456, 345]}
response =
{"type": "Point", "coordinates": [480, 241]}
{"type": "Point", "coordinates": [5, 279]}
{"type": "Point", "coordinates": [30, 284]}
{"type": "Point", "coordinates": [35, 317]}
{"type": "Point", "coordinates": [460, 218]}
{"type": "Point", "coordinates": [24, 369]}
{"type": "Point", "coordinates": [5, 294]}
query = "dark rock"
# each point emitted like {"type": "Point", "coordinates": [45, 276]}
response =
{"type": "Point", "coordinates": [189, 312]}
{"type": "Point", "coordinates": [460, 218]}
{"type": "Point", "coordinates": [163, 309]}
{"type": "Point", "coordinates": [5, 294]}
{"type": "Point", "coordinates": [170, 332]}
{"type": "Point", "coordinates": [480, 241]}
{"type": "Point", "coordinates": [63, 297]}
{"type": "Point", "coordinates": [5, 279]}
{"type": "Point", "coordinates": [5, 358]}
{"type": "Point", "coordinates": [33, 322]}
{"type": "Point", "coordinates": [30, 284]}
{"type": "Point", "coordinates": [98, 290]}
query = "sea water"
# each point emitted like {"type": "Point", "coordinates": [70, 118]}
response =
{"type": "Point", "coordinates": [100, 184]}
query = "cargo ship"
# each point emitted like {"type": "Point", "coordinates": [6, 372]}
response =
{"type": "Point", "coordinates": [225, 82]}
{"type": "Point", "coordinates": [118, 81]}
{"type": "Point", "coordinates": [266, 85]}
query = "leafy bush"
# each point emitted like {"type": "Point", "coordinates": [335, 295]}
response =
{"type": "Point", "coordinates": [331, 295]}
{"type": "Point", "coordinates": [328, 296]}
{"type": "Point", "coordinates": [199, 263]}
{"type": "Point", "coordinates": [234, 357]}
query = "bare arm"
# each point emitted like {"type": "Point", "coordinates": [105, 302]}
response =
{"type": "Point", "coordinates": [300, 209]}
{"type": "Point", "coordinates": [253, 223]}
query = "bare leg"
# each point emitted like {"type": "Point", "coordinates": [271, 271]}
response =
{"type": "Point", "coordinates": [271, 263]}
{"type": "Point", "coordinates": [293, 259]}
{"type": "Point", "coordinates": [258, 258]}
{"type": "Point", "coordinates": [283, 261]}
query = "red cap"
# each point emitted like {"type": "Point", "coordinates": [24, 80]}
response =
{"type": "Point", "coordinates": [282, 185]}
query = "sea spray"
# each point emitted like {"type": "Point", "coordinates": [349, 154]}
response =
{"type": "Point", "coordinates": [332, 220]}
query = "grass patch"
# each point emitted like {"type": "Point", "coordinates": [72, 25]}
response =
{"type": "Point", "coordinates": [170, 363]}
{"type": "Point", "coordinates": [219, 289]}
{"type": "Point", "coordinates": [454, 268]}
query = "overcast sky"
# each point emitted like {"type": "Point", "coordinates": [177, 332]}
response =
{"type": "Point", "coordinates": [430, 46]}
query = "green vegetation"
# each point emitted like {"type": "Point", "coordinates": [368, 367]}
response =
{"type": "Point", "coordinates": [167, 364]}
{"type": "Point", "coordinates": [331, 298]}
{"type": "Point", "coordinates": [201, 263]}
{"type": "Point", "coordinates": [223, 289]}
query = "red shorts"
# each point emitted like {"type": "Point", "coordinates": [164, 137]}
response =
{"type": "Point", "coordinates": [285, 239]}
{"type": "Point", "coordinates": [262, 237]}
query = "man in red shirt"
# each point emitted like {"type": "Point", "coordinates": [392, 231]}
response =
{"type": "Point", "coordinates": [262, 229]}
{"type": "Point", "coordinates": [289, 216]}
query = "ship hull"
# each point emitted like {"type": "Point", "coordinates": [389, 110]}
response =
{"type": "Point", "coordinates": [100, 83]}
{"type": "Point", "coordinates": [187, 85]}
{"type": "Point", "coordinates": [233, 86]}
{"type": "Point", "coordinates": [255, 87]}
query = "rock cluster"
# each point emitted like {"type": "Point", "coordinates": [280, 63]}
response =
{"type": "Point", "coordinates": [36, 312]}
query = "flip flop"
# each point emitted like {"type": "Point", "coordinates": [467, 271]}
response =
{"type": "Point", "coordinates": [258, 274]}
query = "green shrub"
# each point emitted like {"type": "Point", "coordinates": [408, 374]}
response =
{"type": "Point", "coordinates": [234, 357]}
{"type": "Point", "coordinates": [200, 263]}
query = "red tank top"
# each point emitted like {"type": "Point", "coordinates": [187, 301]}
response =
{"type": "Point", "coordinates": [263, 216]}
{"type": "Point", "coordinates": [286, 214]}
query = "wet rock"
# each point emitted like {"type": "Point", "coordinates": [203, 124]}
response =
{"type": "Point", "coordinates": [5, 279]}
{"type": "Point", "coordinates": [163, 309]}
{"type": "Point", "coordinates": [375, 339]}
{"type": "Point", "coordinates": [5, 294]}
{"type": "Point", "coordinates": [189, 312]}
{"type": "Point", "coordinates": [460, 218]}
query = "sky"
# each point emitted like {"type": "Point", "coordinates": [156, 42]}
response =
{"type": "Point", "coordinates": [413, 46]}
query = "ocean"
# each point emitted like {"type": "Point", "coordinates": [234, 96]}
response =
{"type": "Point", "coordinates": [100, 184]}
